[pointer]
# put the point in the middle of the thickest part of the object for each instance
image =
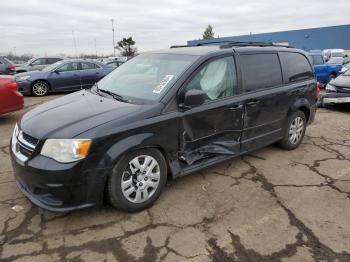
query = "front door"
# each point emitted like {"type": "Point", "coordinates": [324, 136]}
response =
{"type": "Point", "coordinates": [214, 128]}
{"type": "Point", "coordinates": [66, 77]}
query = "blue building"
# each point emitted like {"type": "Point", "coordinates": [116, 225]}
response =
{"type": "Point", "coordinates": [306, 39]}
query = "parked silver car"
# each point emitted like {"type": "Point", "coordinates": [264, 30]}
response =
{"type": "Point", "coordinates": [37, 63]}
{"type": "Point", "coordinates": [6, 66]}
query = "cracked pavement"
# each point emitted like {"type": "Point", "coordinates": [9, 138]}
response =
{"type": "Point", "coordinates": [271, 205]}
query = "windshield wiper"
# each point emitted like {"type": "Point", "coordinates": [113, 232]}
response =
{"type": "Point", "coordinates": [114, 95]}
{"type": "Point", "coordinates": [97, 90]}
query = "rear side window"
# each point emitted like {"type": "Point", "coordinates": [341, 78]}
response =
{"type": "Point", "coordinates": [317, 59]}
{"type": "Point", "coordinates": [296, 67]}
{"type": "Point", "coordinates": [87, 65]}
{"type": "Point", "coordinates": [50, 61]}
{"type": "Point", "coordinates": [260, 71]}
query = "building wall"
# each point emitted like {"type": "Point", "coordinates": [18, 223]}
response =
{"type": "Point", "coordinates": [307, 39]}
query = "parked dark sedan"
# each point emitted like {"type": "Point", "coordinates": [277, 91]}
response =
{"type": "Point", "coordinates": [338, 90]}
{"type": "Point", "coordinates": [67, 75]}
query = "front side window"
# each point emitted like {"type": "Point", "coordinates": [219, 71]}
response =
{"type": "Point", "coordinates": [73, 66]}
{"type": "Point", "coordinates": [260, 71]}
{"type": "Point", "coordinates": [296, 67]}
{"type": "Point", "coordinates": [147, 76]}
{"type": "Point", "coordinates": [217, 79]}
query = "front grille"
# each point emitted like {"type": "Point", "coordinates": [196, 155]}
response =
{"type": "Point", "coordinates": [31, 140]}
{"type": "Point", "coordinates": [26, 144]}
{"type": "Point", "coordinates": [343, 89]}
{"type": "Point", "coordinates": [25, 151]}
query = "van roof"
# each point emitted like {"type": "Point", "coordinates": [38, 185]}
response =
{"type": "Point", "coordinates": [210, 49]}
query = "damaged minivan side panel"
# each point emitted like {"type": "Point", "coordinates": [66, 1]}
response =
{"type": "Point", "coordinates": [214, 128]}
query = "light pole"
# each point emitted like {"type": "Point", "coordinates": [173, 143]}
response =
{"type": "Point", "coordinates": [95, 47]}
{"type": "Point", "coordinates": [112, 20]}
{"type": "Point", "coordinates": [75, 44]}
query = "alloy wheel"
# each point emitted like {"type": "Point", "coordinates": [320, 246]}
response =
{"type": "Point", "coordinates": [40, 88]}
{"type": "Point", "coordinates": [140, 179]}
{"type": "Point", "coordinates": [296, 130]}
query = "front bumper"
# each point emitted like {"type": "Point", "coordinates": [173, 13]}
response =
{"type": "Point", "coordinates": [55, 186]}
{"type": "Point", "coordinates": [24, 87]}
{"type": "Point", "coordinates": [336, 98]}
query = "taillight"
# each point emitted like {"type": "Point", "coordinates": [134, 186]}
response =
{"type": "Point", "coordinates": [11, 67]}
{"type": "Point", "coordinates": [11, 86]}
{"type": "Point", "coordinates": [318, 88]}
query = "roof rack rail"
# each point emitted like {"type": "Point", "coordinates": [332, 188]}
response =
{"type": "Point", "coordinates": [260, 44]}
{"type": "Point", "coordinates": [178, 46]}
{"type": "Point", "coordinates": [228, 44]}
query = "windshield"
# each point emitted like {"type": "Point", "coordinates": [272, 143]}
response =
{"type": "Point", "coordinates": [52, 66]}
{"type": "Point", "coordinates": [147, 76]}
{"type": "Point", "coordinates": [30, 61]}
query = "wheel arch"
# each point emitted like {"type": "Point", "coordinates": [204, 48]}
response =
{"type": "Point", "coordinates": [125, 146]}
{"type": "Point", "coordinates": [302, 105]}
{"type": "Point", "coordinates": [129, 144]}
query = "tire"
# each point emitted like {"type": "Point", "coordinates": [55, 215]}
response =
{"type": "Point", "coordinates": [139, 190]}
{"type": "Point", "coordinates": [294, 131]}
{"type": "Point", "coordinates": [40, 88]}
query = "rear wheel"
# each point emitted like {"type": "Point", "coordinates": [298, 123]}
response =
{"type": "Point", "coordinates": [137, 180]}
{"type": "Point", "coordinates": [40, 88]}
{"type": "Point", "coordinates": [294, 131]}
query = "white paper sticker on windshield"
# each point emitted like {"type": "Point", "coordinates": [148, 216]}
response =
{"type": "Point", "coordinates": [159, 88]}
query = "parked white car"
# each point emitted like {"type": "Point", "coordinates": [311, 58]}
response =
{"type": "Point", "coordinates": [345, 68]}
{"type": "Point", "coordinates": [334, 56]}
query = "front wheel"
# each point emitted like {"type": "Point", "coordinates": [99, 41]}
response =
{"type": "Point", "coordinates": [40, 88]}
{"type": "Point", "coordinates": [137, 180]}
{"type": "Point", "coordinates": [294, 131]}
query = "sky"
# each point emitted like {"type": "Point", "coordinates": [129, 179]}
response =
{"type": "Point", "coordinates": [49, 27]}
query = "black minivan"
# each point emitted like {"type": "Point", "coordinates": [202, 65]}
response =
{"type": "Point", "coordinates": [163, 113]}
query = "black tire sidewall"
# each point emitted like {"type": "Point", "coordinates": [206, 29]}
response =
{"type": "Point", "coordinates": [115, 194]}
{"type": "Point", "coordinates": [47, 88]}
{"type": "Point", "coordinates": [285, 142]}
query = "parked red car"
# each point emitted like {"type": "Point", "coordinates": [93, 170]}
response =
{"type": "Point", "coordinates": [10, 99]}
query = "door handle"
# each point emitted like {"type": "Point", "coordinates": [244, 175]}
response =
{"type": "Point", "coordinates": [236, 106]}
{"type": "Point", "coordinates": [253, 103]}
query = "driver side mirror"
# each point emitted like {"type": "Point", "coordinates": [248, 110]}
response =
{"type": "Point", "coordinates": [193, 98]}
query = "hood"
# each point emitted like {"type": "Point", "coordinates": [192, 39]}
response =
{"type": "Point", "coordinates": [32, 74]}
{"type": "Point", "coordinates": [70, 115]}
{"type": "Point", "coordinates": [341, 81]}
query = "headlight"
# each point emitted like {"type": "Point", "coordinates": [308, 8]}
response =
{"type": "Point", "coordinates": [330, 87]}
{"type": "Point", "coordinates": [66, 150]}
{"type": "Point", "coordinates": [22, 78]}
{"type": "Point", "coordinates": [15, 131]}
